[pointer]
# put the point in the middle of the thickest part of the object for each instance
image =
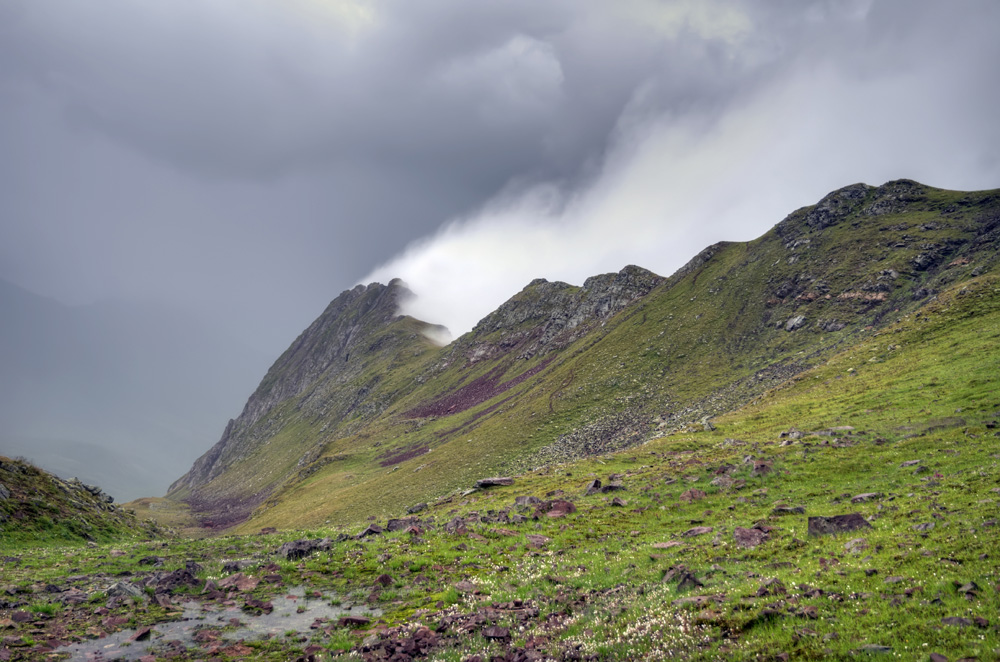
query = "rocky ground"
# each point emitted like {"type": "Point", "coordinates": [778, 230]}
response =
{"type": "Point", "coordinates": [852, 514]}
{"type": "Point", "coordinates": [733, 551]}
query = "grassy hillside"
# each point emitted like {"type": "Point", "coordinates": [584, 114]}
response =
{"type": "Point", "coordinates": [701, 552]}
{"type": "Point", "coordinates": [37, 507]}
{"type": "Point", "coordinates": [524, 390]}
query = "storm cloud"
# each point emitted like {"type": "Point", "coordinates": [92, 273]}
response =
{"type": "Point", "coordinates": [247, 160]}
{"type": "Point", "coordinates": [848, 92]}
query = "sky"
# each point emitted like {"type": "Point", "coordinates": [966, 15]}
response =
{"type": "Point", "coordinates": [248, 160]}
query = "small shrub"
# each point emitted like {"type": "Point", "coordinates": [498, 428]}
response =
{"type": "Point", "coordinates": [48, 608]}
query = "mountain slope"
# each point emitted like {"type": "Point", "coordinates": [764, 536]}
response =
{"type": "Point", "coordinates": [706, 549]}
{"type": "Point", "coordinates": [559, 372]}
{"type": "Point", "coordinates": [345, 367]}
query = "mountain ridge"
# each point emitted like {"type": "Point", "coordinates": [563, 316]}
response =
{"type": "Point", "coordinates": [558, 370]}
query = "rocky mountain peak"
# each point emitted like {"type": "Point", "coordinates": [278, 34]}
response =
{"type": "Point", "coordinates": [549, 315]}
{"type": "Point", "coordinates": [862, 200]}
{"type": "Point", "coordinates": [333, 348]}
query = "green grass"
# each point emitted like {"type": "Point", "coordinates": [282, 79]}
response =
{"type": "Point", "coordinates": [923, 388]}
{"type": "Point", "coordinates": [699, 345]}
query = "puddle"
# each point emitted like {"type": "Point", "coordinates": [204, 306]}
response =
{"type": "Point", "coordinates": [166, 636]}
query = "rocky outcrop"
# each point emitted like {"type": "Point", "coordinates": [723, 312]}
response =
{"type": "Point", "coordinates": [31, 497]}
{"type": "Point", "coordinates": [561, 371]}
{"type": "Point", "coordinates": [836, 206]}
{"type": "Point", "coordinates": [857, 199]}
{"type": "Point", "coordinates": [320, 372]}
{"type": "Point", "coordinates": [546, 316]}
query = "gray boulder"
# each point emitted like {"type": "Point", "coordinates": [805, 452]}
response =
{"type": "Point", "coordinates": [796, 322]}
{"type": "Point", "coordinates": [822, 526]}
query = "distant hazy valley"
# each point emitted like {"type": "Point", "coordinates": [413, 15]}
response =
{"type": "Point", "coordinates": [120, 395]}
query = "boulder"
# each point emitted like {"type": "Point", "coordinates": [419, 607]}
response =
{"type": "Point", "coordinates": [400, 524]}
{"type": "Point", "coordinates": [697, 531]}
{"type": "Point", "coordinates": [692, 495]}
{"type": "Point", "coordinates": [856, 545]}
{"type": "Point", "coordinates": [788, 510]}
{"type": "Point", "coordinates": [126, 590]}
{"type": "Point", "coordinates": [560, 508]}
{"type": "Point", "coordinates": [298, 549]}
{"type": "Point", "coordinates": [496, 632]}
{"type": "Point", "coordinates": [483, 483]}
{"type": "Point", "coordinates": [465, 586]}
{"type": "Point", "coordinates": [749, 538]}
{"type": "Point", "coordinates": [822, 526]}
{"type": "Point", "coordinates": [796, 322]}
{"type": "Point", "coordinates": [372, 530]}
{"type": "Point", "coordinates": [176, 579]}
{"type": "Point", "coordinates": [722, 482]}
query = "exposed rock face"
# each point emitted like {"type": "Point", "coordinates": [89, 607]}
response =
{"type": "Point", "coordinates": [559, 372]}
{"type": "Point", "coordinates": [836, 206]}
{"type": "Point", "coordinates": [891, 197]}
{"type": "Point", "coordinates": [321, 371]}
{"type": "Point", "coordinates": [546, 316]}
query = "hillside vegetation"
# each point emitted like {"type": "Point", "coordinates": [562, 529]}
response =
{"type": "Point", "coordinates": [37, 507]}
{"type": "Point", "coordinates": [696, 545]}
{"type": "Point", "coordinates": [364, 417]}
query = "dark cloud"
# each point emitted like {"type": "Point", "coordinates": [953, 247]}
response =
{"type": "Point", "coordinates": [252, 158]}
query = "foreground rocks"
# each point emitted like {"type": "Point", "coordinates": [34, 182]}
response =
{"type": "Point", "coordinates": [824, 526]}
{"type": "Point", "coordinates": [484, 483]}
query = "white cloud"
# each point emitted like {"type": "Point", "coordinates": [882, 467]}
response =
{"type": "Point", "coordinates": [675, 183]}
